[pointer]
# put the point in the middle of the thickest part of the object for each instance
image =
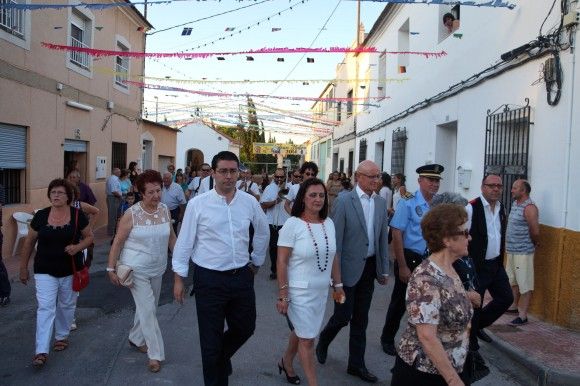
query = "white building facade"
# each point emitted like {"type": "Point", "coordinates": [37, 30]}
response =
{"type": "Point", "coordinates": [481, 108]}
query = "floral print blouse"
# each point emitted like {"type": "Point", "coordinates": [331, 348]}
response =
{"type": "Point", "coordinates": [433, 297]}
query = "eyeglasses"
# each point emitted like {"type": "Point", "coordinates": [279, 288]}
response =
{"type": "Point", "coordinates": [464, 232]}
{"type": "Point", "coordinates": [225, 172]}
{"type": "Point", "coordinates": [494, 186]}
{"type": "Point", "coordinates": [206, 170]}
{"type": "Point", "coordinates": [371, 176]}
{"type": "Point", "coordinates": [279, 176]}
{"type": "Point", "coordinates": [314, 195]}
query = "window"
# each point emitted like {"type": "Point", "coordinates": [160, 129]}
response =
{"type": "Point", "coordinates": [119, 156]}
{"type": "Point", "coordinates": [382, 75]}
{"type": "Point", "coordinates": [349, 104]}
{"type": "Point", "coordinates": [15, 24]}
{"type": "Point", "coordinates": [80, 36]}
{"type": "Point", "coordinates": [121, 67]}
{"type": "Point", "coordinates": [11, 19]}
{"type": "Point", "coordinates": [403, 46]}
{"type": "Point", "coordinates": [362, 150]}
{"type": "Point", "coordinates": [399, 143]}
{"type": "Point", "coordinates": [338, 111]}
{"type": "Point", "coordinates": [448, 21]}
{"type": "Point", "coordinates": [12, 161]}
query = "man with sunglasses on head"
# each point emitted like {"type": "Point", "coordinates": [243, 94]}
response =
{"type": "Point", "coordinates": [272, 202]}
{"type": "Point", "coordinates": [409, 246]}
{"type": "Point", "coordinates": [215, 236]}
{"type": "Point", "coordinates": [194, 187]}
{"type": "Point", "coordinates": [487, 224]}
{"type": "Point", "coordinates": [308, 170]}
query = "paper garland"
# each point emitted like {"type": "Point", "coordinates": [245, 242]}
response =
{"type": "Point", "coordinates": [96, 6]}
{"type": "Point", "coordinates": [273, 50]}
{"type": "Point", "coordinates": [485, 3]}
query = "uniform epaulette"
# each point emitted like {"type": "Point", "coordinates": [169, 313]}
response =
{"type": "Point", "coordinates": [407, 195]}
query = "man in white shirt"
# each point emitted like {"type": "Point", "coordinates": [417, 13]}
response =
{"type": "Point", "coordinates": [308, 170]}
{"type": "Point", "coordinates": [246, 183]}
{"type": "Point", "coordinates": [214, 234]}
{"type": "Point", "coordinates": [114, 196]}
{"type": "Point", "coordinates": [272, 202]}
{"type": "Point", "coordinates": [172, 195]}
{"type": "Point", "coordinates": [193, 189]}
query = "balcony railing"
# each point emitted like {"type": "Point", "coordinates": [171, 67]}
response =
{"type": "Point", "coordinates": [122, 70]}
{"type": "Point", "coordinates": [12, 20]}
{"type": "Point", "coordinates": [81, 59]}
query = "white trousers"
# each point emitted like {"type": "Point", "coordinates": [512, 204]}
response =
{"type": "Point", "coordinates": [56, 309]}
{"type": "Point", "coordinates": [146, 329]}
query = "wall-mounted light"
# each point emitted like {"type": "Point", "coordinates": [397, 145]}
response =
{"type": "Point", "coordinates": [110, 105]}
{"type": "Point", "coordinates": [80, 106]}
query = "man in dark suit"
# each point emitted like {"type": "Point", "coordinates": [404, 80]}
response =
{"type": "Point", "coordinates": [487, 227]}
{"type": "Point", "coordinates": [360, 220]}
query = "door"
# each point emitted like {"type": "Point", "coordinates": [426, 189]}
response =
{"type": "Point", "coordinates": [445, 154]}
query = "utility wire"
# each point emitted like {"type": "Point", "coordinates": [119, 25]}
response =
{"type": "Point", "coordinates": [208, 17]}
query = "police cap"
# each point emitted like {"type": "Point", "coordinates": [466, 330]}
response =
{"type": "Point", "coordinates": [430, 171]}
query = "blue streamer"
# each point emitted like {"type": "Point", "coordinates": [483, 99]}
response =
{"type": "Point", "coordinates": [97, 6]}
{"type": "Point", "coordinates": [471, 3]}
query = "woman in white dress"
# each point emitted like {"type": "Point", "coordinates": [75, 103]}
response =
{"type": "Point", "coordinates": [143, 235]}
{"type": "Point", "coordinates": [306, 262]}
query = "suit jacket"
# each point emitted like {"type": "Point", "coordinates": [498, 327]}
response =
{"type": "Point", "coordinates": [351, 236]}
{"type": "Point", "coordinates": [478, 244]}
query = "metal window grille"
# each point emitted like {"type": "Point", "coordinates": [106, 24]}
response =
{"type": "Point", "coordinates": [362, 150]}
{"type": "Point", "coordinates": [399, 144]}
{"type": "Point", "coordinates": [122, 68]}
{"type": "Point", "coordinates": [507, 137]}
{"type": "Point", "coordinates": [10, 180]}
{"type": "Point", "coordinates": [11, 19]}
{"type": "Point", "coordinates": [77, 40]}
{"type": "Point", "coordinates": [338, 111]}
{"type": "Point", "coordinates": [349, 104]}
{"type": "Point", "coordinates": [119, 156]}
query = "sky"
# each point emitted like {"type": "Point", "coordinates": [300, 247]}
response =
{"type": "Point", "coordinates": [309, 23]}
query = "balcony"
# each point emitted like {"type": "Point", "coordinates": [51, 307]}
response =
{"type": "Point", "coordinates": [12, 20]}
{"type": "Point", "coordinates": [80, 59]}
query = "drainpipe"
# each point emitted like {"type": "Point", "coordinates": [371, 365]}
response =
{"type": "Point", "coordinates": [569, 137]}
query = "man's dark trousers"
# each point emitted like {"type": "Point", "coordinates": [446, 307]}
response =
{"type": "Point", "coordinates": [397, 306]}
{"type": "Point", "coordinates": [356, 311]}
{"type": "Point", "coordinates": [274, 230]}
{"type": "Point", "coordinates": [175, 217]}
{"type": "Point", "coordinates": [5, 288]}
{"type": "Point", "coordinates": [220, 296]}
{"type": "Point", "coordinates": [492, 277]}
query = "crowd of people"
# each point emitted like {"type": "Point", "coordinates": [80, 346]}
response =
{"type": "Point", "coordinates": [320, 238]}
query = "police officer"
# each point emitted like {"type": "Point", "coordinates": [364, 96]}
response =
{"type": "Point", "coordinates": [408, 245]}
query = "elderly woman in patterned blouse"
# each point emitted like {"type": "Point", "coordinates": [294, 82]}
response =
{"type": "Point", "coordinates": [434, 346]}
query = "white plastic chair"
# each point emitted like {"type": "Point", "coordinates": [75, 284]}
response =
{"type": "Point", "coordinates": [22, 220]}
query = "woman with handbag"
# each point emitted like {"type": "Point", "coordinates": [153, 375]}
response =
{"type": "Point", "coordinates": [138, 259]}
{"type": "Point", "coordinates": [62, 233]}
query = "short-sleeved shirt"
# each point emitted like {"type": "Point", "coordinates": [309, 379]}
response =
{"type": "Point", "coordinates": [113, 185]}
{"type": "Point", "coordinates": [50, 256]}
{"type": "Point", "coordinates": [173, 196]}
{"type": "Point", "coordinates": [435, 298]}
{"type": "Point", "coordinates": [408, 215]}
{"type": "Point", "coordinates": [276, 214]}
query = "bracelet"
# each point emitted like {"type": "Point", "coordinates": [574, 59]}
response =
{"type": "Point", "coordinates": [287, 300]}
{"type": "Point", "coordinates": [338, 285]}
{"type": "Point", "coordinates": [283, 287]}
{"type": "Point", "coordinates": [109, 269]}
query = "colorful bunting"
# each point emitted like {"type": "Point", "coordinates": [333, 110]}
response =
{"type": "Point", "coordinates": [97, 6]}
{"type": "Point", "coordinates": [480, 3]}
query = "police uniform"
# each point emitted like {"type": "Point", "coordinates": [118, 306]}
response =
{"type": "Point", "coordinates": [408, 215]}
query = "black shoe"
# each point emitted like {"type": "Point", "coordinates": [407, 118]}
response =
{"type": "Point", "coordinates": [272, 276]}
{"type": "Point", "coordinates": [295, 380]}
{"type": "Point", "coordinates": [362, 373]}
{"type": "Point", "coordinates": [516, 322]}
{"type": "Point", "coordinates": [389, 348]}
{"type": "Point", "coordinates": [321, 353]}
{"type": "Point", "coordinates": [481, 334]}
{"type": "Point", "coordinates": [4, 301]}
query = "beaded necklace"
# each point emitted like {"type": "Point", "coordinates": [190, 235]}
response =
{"type": "Point", "coordinates": [322, 269]}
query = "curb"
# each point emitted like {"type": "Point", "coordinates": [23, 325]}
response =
{"type": "Point", "coordinates": [544, 375]}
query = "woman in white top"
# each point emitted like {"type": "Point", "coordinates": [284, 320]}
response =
{"type": "Point", "coordinates": [306, 262]}
{"type": "Point", "coordinates": [143, 236]}
{"type": "Point", "coordinates": [398, 182]}
{"type": "Point", "coordinates": [385, 191]}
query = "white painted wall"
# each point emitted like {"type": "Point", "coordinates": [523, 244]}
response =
{"type": "Point", "coordinates": [199, 136]}
{"type": "Point", "coordinates": [486, 33]}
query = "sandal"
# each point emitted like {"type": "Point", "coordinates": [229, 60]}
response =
{"type": "Point", "coordinates": [60, 345]}
{"type": "Point", "coordinates": [154, 365]}
{"type": "Point", "coordinates": [39, 360]}
{"type": "Point", "coordinates": [142, 349]}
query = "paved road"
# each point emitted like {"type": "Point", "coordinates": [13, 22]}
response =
{"type": "Point", "coordinates": [99, 353]}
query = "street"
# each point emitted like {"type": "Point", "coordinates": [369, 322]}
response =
{"type": "Point", "coordinates": [99, 352]}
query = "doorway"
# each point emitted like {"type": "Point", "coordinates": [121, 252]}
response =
{"type": "Point", "coordinates": [445, 154]}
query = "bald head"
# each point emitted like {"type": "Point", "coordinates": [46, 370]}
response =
{"type": "Point", "coordinates": [368, 176]}
{"type": "Point", "coordinates": [167, 178]}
